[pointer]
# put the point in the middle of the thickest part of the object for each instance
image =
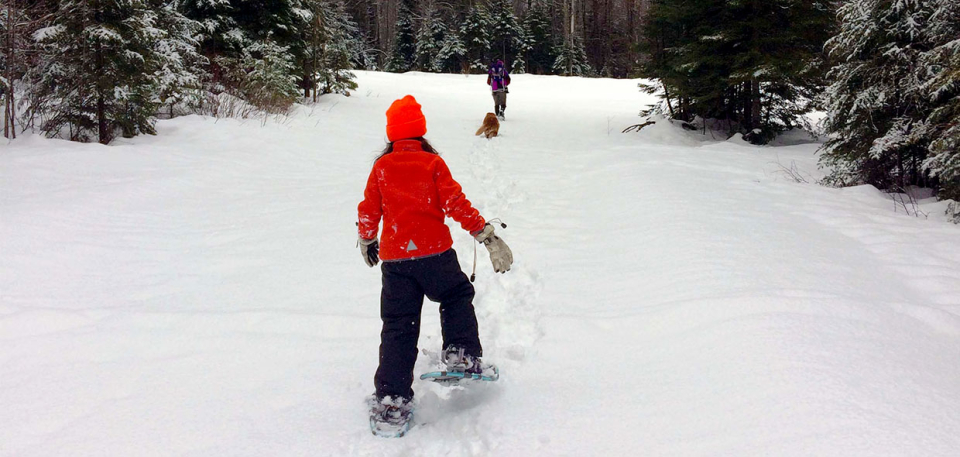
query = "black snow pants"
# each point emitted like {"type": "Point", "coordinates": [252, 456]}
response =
{"type": "Point", "coordinates": [405, 283]}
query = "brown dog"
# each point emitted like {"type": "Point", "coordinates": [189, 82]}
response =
{"type": "Point", "coordinates": [490, 127]}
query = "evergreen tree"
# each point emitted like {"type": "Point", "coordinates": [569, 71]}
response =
{"type": "Point", "coordinates": [751, 63]}
{"type": "Point", "coordinates": [404, 45]}
{"type": "Point", "coordinates": [540, 45]}
{"type": "Point", "coordinates": [99, 73]}
{"type": "Point", "coordinates": [221, 40]}
{"type": "Point", "coordinates": [453, 53]}
{"type": "Point", "coordinates": [237, 32]}
{"type": "Point", "coordinates": [339, 46]}
{"type": "Point", "coordinates": [280, 21]}
{"type": "Point", "coordinates": [777, 65]}
{"type": "Point", "coordinates": [269, 78]}
{"type": "Point", "coordinates": [430, 40]}
{"type": "Point", "coordinates": [572, 59]}
{"type": "Point", "coordinates": [893, 100]}
{"type": "Point", "coordinates": [18, 21]}
{"type": "Point", "coordinates": [477, 39]}
{"type": "Point", "coordinates": [943, 89]}
{"type": "Point", "coordinates": [177, 42]}
{"type": "Point", "coordinates": [507, 39]}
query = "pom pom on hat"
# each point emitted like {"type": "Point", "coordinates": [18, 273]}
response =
{"type": "Point", "coordinates": [405, 120]}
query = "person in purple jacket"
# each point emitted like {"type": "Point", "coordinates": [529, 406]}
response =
{"type": "Point", "coordinates": [498, 79]}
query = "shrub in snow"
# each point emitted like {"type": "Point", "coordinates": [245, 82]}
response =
{"type": "Point", "coordinates": [268, 79]}
{"type": "Point", "coordinates": [953, 212]}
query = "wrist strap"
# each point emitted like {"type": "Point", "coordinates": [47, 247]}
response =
{"type": "Point", "coordinates": [473, 275]}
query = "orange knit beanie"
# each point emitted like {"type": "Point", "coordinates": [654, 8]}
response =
{"type": "Point", "coordinates": [405, 120]}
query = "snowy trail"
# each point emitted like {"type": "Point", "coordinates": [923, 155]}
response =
{"type": "Point", "coordinates": [200, 292]}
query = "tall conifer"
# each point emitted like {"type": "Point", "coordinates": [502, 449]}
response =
{"type": "Point", "coordinates": [99, 73]}
{"type": "Point", "coordinates": [893, 100]}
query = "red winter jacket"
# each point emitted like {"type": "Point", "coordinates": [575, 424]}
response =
{"type": "Point", "coordinates": [412, 189]}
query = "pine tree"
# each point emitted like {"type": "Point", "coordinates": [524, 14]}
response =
{"type": "Point", "coordinates": [99, 74]}
{"type": "Point", "coordinates": [19, 19]}
{"type": "Point", "coordinates": [238, 33]}
{"type": "Point", "coordinates": [893, 95]}
{"type": "Point", "coordinates": [572, 59]}
{"type": "Point", "coordinates": [453, 53]}
{"type": "Point", "coordinates": [477, 39]}
{"type": "Point", "coordinates": [508, 41]}
{"type": "Point", "coordinates": [341, 42]}
{"type": "Point", "coordinates": [943, 89]}
{"type": "Point", "coordinates": [777, 66]}
{"type": "Point", "coordinates": [540, 43]}
{"type": "Point", "coordinates": [430, 40]}
{"type": "Point", "coordinates": [221, 39]}
{"type": "Point", "coordinates": [752, 64]}
{"type": "Point", "coordinates": [404, 45]}
{"type": "Point", "coordinates": [177, 43]}
{"type": "Point", "coordinates": [269, 78]}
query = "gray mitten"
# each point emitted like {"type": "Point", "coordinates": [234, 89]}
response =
{"type": "Point", "coordinates": [500, 254]}
{"type": "Point", "coordinates": [370, 250]}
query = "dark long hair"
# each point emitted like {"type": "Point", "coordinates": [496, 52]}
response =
{"type": "Point", "coordinates": [424, 144]}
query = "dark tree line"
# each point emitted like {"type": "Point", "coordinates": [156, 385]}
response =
{"type": "Point", "coordinates": [887, 73]}
{"type": "Point", "coordinates": [537, 36]}
{"type": "Point", "coordinates": [894, 98]}
{"type": "Point", "coordinates": [92, 70]}
{"type": "Point", "coordinates": [754, 64]}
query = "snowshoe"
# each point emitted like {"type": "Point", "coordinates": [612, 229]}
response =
{"type": "Point", "coordinates": [461, 366]}
{"type": "Point", "coordinates": [390, 417]}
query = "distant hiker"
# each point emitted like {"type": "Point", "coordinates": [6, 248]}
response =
{"type": "Point", "coordinates": [411, 189]}
{"type": "Point", "coordinates": [498, 79]}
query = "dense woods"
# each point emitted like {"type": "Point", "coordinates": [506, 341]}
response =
{"type": "Point", "coordinates": [894, 102]}
{"type": "Point", "coordinates": [885, 71]}
{"type": "Point", "coordinates": [753, 64]}
{"type": "Point", "coordinates": [92, 70]}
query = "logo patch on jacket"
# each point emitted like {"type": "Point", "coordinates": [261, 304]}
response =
{"type": "Point", "coordinates": [411, 246]}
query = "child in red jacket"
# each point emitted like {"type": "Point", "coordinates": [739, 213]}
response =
{"type": "Point", "coordinates": [411, 189]}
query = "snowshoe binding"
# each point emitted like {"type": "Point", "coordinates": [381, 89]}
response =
{"type": "Point", "coordinates": [390, 417]}
{"type": "Point", "coordinates": [459, 365]}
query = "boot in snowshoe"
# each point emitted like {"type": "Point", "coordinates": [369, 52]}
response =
{"type": "Point", "coordinates": [460, 365]}
{"type": "Point", "coordinates": [390, 417]}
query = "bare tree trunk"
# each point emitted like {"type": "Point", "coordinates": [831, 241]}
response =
{"type": "Point", "coordinates": [571, 15]}
{"type": "Point", "coordinates": [102, 131]}
{"type": "Point", "coordinates": [9, 128]}
{"type": "Point", "coordinates": [666, 94]}
{"type": "Point", "coordinates": [754, 82]}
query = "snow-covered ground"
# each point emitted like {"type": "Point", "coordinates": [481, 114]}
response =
{"type": "Point", "coordinates": [200, 292]}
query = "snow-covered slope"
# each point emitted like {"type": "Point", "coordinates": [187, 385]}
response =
{"type": "Point", "coordinates": [200, 292]}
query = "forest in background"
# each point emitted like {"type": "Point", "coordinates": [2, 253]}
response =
{"type": "Point", "coordinates": [92, 70]}
{"type": "Point", "coordinates": [886, 72]}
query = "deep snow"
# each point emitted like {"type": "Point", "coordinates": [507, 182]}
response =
{"type": "Point", "coordinates": [200, 292]}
